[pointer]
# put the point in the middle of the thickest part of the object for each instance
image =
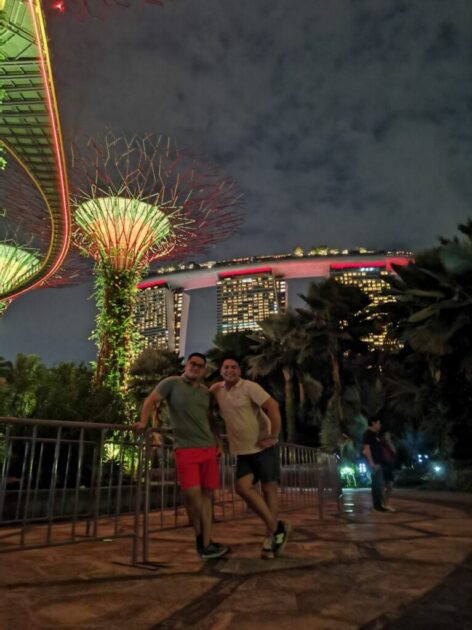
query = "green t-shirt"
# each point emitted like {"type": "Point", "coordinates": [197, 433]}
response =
{"type": "Point", "coordinates": [188, 411]}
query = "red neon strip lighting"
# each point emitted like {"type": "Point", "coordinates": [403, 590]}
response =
{"type": "Point", "coordinates": [245, 272]}
{"type": "Point", "coordinates": [151, 283]}
{"type": "Point", "coordinates": [387, 263]}
{"type": "Point", "coordinates": [57, 148]}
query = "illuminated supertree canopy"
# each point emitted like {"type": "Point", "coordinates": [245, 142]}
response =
{"type": "Point", "coordinates": [16, 264]}
{"type": "Point", "coordinates": [136, 200]}
{"type": "Point", "coordinates": [25, 219]}
{"type": "Point", "coordinates": [121, 230]}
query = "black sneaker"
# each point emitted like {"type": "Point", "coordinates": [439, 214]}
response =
{"type": "Point", "coordinates": [199, 546]}
{"type": "Point", "coordinates": [381, 508]}
{"type": "Point", "coordinates": [281, 537]}
{"type": "Point", "coordinates": [214, 550]}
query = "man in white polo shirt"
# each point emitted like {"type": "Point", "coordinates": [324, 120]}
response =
{"type": "Point", "coordinates": [252, 421]}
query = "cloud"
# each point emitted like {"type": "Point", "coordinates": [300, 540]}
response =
{"type": "Point", "coordinates": [346, 122]}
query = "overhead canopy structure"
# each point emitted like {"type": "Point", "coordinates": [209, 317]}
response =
{"type": "Point", "coordinates": [30, 129]}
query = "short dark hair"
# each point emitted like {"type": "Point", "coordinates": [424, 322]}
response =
{"type": "Point", "coordinates": [197, 354]}
{"type": "Point", "coordinates": [371, 421]}
{"type": "Point", "coordinates": [230, 357]}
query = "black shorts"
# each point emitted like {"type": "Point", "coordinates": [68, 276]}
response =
{"type": "Point", "coordinates": [387, 470]}
{"type": "Point", "coordinates": [264, 466]}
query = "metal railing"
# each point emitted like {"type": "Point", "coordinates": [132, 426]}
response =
{"type": "Point", "coordinates": [71, 480]}
{"type": "Point", "coordinates": [66, 482]}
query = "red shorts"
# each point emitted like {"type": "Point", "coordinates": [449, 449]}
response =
{"type": "Point", "coordinates": [197, 467]}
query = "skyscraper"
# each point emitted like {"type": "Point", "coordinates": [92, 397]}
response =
{"type": "Point", "coordinates": [239, 293]}
{"type": "Point", "coordinates": [158, 315]}
{"type": "Point", "coordinates": [244, 299]}
{"type": "Point", "coordinates": [371, 280]}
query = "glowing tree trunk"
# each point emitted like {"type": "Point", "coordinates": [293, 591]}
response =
{"type": "Point", "coordinates": [116, 335]}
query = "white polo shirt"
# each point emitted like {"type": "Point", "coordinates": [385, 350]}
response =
{"type": "Point", "coordinates": [246, 423]}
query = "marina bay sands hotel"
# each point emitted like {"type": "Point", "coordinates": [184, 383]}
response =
{"type": "Point", "coordinates": [235, 295]}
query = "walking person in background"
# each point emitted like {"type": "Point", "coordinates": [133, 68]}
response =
{"type": "Point", "coordinates": [252, 421]}
{"type": "Point", "coordinates": [372, 449]}
{"type": "Point", "coordinates": [196, 448]}
{"type": "Point", "coordinates": [388, 460]}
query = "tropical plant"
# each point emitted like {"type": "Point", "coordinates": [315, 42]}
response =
{"type": "Point", "coordinates": [276, 350]}
{"type": "Point", "coordinates": [335, 324]}
{"type": "Point", "coordinates": [151, 366]}
{"type": "Point", "coordinates": [235, 344]}
{"type": "Point", "coordinates": [429, 382]}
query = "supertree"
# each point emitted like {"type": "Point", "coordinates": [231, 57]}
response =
{"type": "Point", "coordinates": [16, 264]}
{"type": "Point", "coordinates": [136, 200]}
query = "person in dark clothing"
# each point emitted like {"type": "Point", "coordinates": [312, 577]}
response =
{"type": "Point", "coordinates": [388, 461]}
{"type": "Point", "coordinates": [372, 449]}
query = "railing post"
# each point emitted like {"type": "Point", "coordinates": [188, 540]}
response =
{"type": "Point", "coordinates": [320, 488]}
{"type": "Point", "coordinates": [52, 486]}
{"type": "Point", "coordinates": [5, 468]}
{"type": "Point", "coordinates": [137, 502]}
{"type": "Point", "coordinates": [28, 486]}
{"type": "Point", "coordinates": [147, 490]}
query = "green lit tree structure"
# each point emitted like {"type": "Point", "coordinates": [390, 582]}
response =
{"type": "Point", "coordinates": [26, 222]}
{"type": "Point", "coordinates": [136, 200]}
{"type": "Point", "coordinates": [16, 265]}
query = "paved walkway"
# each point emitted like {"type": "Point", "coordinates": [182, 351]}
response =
{"type": "Point", "coordinates": [361, 569]}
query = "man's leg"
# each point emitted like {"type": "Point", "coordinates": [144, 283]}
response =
{"type": "Point", "coordinates": [257, 503]}
{"type": "Point", "coordinates": [195, 506]}
{"type": "Point", "coordinates": [378, 489]}
{"type": "Point", "coordinates": [271, 497]}
{"type": "Point", "coordinates": [206, 514]}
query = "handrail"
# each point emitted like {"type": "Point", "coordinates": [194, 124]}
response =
{"type": "Point", "coordinates": [79, 424]}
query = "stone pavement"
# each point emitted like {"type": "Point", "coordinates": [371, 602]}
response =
{"type": "Point", "coordinates": [360, 569]}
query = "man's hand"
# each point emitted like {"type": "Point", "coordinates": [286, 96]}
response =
{"type": "Point", "coordinates": [267, 442]}
{"type": "Point", "coordinates": [220, 451]}
{"type": "Point", "coordinates": [138, 427]}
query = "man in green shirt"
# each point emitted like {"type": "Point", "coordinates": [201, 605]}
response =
{"type": "Point", "coordinates": [196, 448]}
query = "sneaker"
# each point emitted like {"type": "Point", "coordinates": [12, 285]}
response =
{"type": "Point", "coordinates": [214, 550]}
{"type": "Point", "coordinates": [267, 550]}
{"type": "Point", "coordinates": [281, 537]}
{"type": "Point", "coordinates": [390, 509]}
{"type": "Point", "coordinates": [199, 546]}
{"type": "Point", "coordinates": [381, 509]}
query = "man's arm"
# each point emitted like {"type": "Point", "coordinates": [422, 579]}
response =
{"type": "Point", "coordinates": [214, 418]}
{"type": "Point", "coordinates": [149, 405]}
{"type": "Point", "coordinates": [271, 408]}
{"type": "Point", "coordinates": [368, 455]}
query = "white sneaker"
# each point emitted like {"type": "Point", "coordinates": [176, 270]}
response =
{"type": "Point", "coordinates": [267, 550]}
{"type": "Point", "coordinates": [390, 509]}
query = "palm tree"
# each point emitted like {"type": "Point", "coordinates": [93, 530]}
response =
{"type": "Point", "coordinates": [335, 324]}
{"type": "Point", "coordinates": [430, 383]}
{"type": "Point", "coordinates": [276, 349]}
{"type": "Point", "coordinates": [236, 344]}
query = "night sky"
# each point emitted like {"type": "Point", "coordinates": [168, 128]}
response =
{"type": "Point", "coordinates": [345, 122]}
